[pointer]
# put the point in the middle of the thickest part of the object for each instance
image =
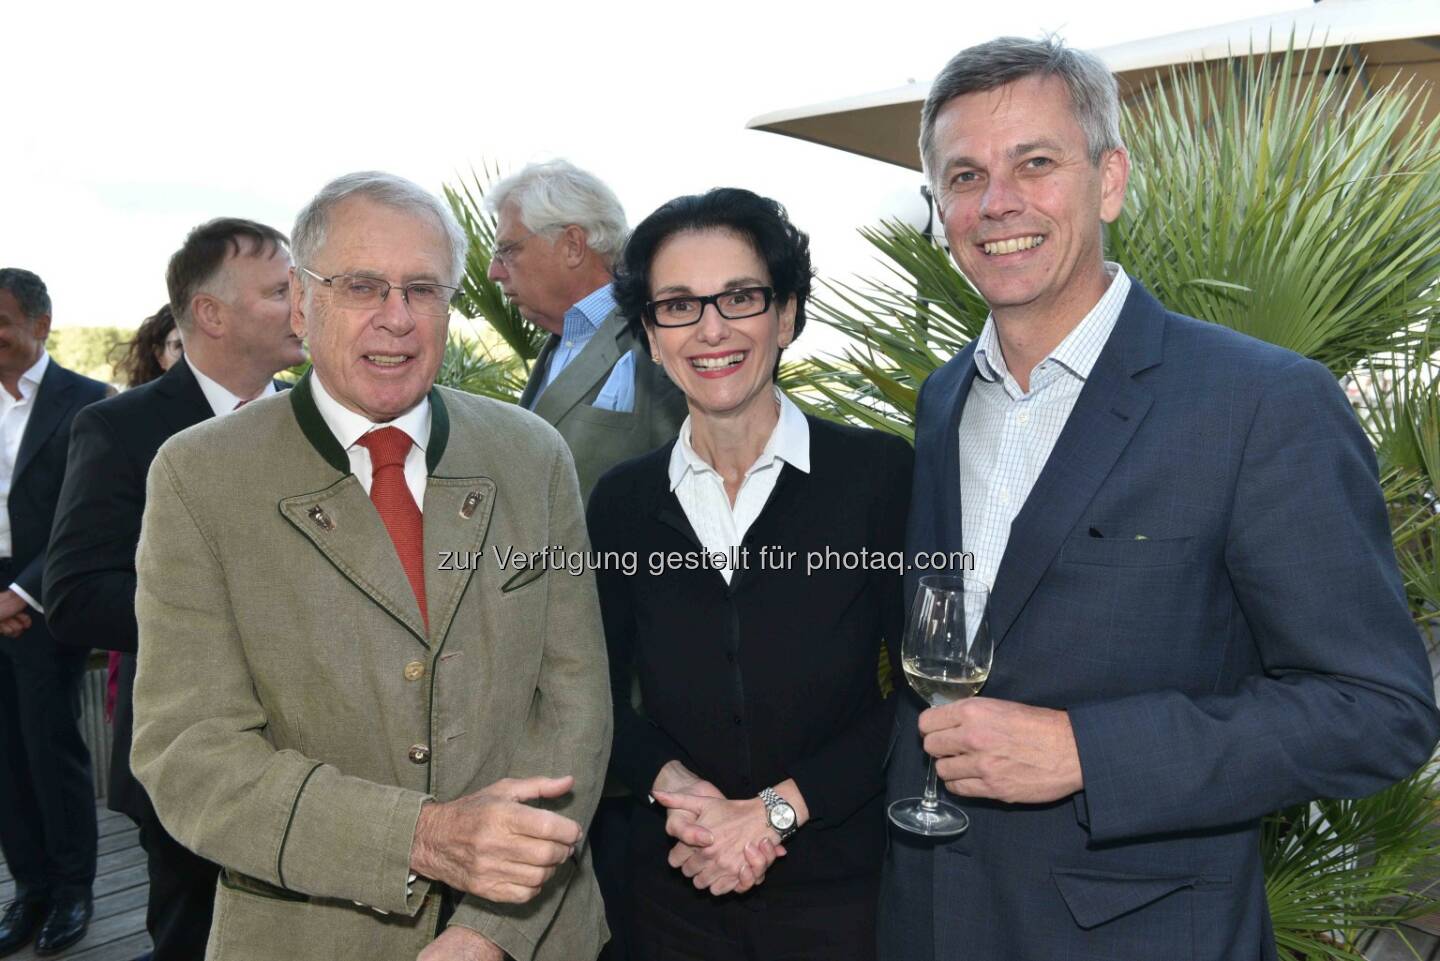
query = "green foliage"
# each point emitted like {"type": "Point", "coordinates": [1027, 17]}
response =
{"type": "Point", "coordinates": [1335, 869]}
{"type": "Point", "coordinates": [1279, 200]}
{"type": "Point", "coordinates": [473, 366]}
{"type": "Point", "coordinates": [91, 351]}
{"type": "Point", "coordinates": [903, 326]}
{"type": "Point", "coordinates": [480, 297]}
{"type": "Point", "coordinates": [1286, 203]}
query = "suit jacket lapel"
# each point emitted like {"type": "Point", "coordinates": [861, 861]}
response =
{"type": "Point", "coordinates": [47, 408]}
{"type": "Point", "coordinates": [584, 373]}
{"type": "Point", "coordinates": [936, 517]}
{"type": "Point", "coordinates": [1105, 417]}
{"type": "Point", "coordinates": [537, 373]}
{"type": "Point", "coordinates": [185, 404]}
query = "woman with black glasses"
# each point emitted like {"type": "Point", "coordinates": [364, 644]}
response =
{"type": "Point", "coordinates": [768, 546]}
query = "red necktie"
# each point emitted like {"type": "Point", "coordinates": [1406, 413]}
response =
{"type": "Point", "coordinates": [388, 447]}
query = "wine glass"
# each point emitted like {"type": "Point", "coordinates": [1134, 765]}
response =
{"type": "Point", "coordinates": [946, 655]}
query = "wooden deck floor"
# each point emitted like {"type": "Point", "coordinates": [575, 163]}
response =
{"type": "Point", "coordinates": [117, 931]}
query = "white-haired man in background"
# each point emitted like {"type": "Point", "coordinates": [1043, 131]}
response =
{"type": "Point", "coordinates": [560, 230]}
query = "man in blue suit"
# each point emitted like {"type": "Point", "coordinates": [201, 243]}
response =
{"type": "Point", "coordinates": [1197, 612]}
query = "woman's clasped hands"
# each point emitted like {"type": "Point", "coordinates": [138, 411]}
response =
{"type": "Point", "coordinates": [722, 845]}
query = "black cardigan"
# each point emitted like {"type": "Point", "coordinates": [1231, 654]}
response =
{"type": "Point", "coordinates": [774, 675]}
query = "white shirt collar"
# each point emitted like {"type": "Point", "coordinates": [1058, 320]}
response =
{"type": "Point", "coordinates": [348, 426]}
{"type": "Point", "coordinates": [788, 442]}
{"type": "Point", "coordinates": [221, 401]}
{"type": "Point", "coordinates": [1081, 347]}
{"type": "Point", "coordinates": [30, 380]}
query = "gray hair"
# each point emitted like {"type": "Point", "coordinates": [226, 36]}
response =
{"type": "Point", "coordinates": [1094, 93]}
{"type": "Point", "coordinates": [550, 196]}
{"type": "Point", "coordinates": [309, 234]}
{"type": "Point", "coordinates": [28, 290]}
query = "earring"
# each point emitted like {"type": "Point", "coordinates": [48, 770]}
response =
{"type": "Point", "coordinates": [655, 357]}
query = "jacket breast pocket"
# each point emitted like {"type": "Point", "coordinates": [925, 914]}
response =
{"type": "Point", "coordinates": [600, 417]}
{"type": "Point", "coordinates": [1133, 551]}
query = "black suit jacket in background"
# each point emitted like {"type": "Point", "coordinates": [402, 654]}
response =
{"type": "Point", "coordinates": [39, 468]}
{"type": "Point", "coordinates": [774, 675]}
{"type": "Point", "coordinates": [89, 583]}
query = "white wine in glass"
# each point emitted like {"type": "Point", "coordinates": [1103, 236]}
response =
{"type": "Point", "coordinates": [946, 654]}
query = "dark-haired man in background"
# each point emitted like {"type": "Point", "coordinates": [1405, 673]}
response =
{"type": "Point", "coordinates": [47, 806]}
{"type": "Point", "coordinates": [229, 291]}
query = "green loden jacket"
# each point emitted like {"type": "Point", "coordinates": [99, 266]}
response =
{"type": "Point", "coordinates": [292, 712]}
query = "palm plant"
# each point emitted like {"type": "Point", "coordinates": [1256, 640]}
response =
{"type": "Point", "coordinates": [476, 367]}
{"type": "Point", "coordinates": [1288, 203]}
{"type": "Point", "coordinates": [480, 297]}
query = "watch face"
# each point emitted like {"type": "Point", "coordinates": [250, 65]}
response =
{"type": "Point", "coordinates": [782, 817]}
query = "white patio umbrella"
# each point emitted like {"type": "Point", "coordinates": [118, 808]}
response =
{"type": "Point", "coordinates": [1391, 38]}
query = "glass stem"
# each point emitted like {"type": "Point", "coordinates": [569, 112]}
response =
{"type": "Point", "coordinates": [931, 800]}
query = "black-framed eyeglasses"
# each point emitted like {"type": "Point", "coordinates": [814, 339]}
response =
{"type": "Point", "coordinates": [367, 293]}
{"type": "Point", "coordinates": [735, 304]}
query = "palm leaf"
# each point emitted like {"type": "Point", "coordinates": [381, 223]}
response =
{"type": "Point", "coordinates": [479, 296]}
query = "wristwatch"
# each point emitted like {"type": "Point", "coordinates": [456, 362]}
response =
{"type": "Point", "coordinates": [779, 812]}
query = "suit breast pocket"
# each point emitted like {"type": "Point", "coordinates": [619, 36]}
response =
{"type": "Point", "coordinates": [1133, 551]}
{"type": "Point", "coordinates": [600, 417]}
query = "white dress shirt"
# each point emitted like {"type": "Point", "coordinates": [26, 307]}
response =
{"type": "Point", "coordinates": [348, 427]}
{"type": "Point", "coordinates": [221, 401]}
{"type": "Point", "coordinates": [14, 415]}
{"type": "Point", "coordinates": [1006, 434]}
{"type": "Point", "coordinates": [701, 490]}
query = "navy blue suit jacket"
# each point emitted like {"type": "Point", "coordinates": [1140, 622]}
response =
{"type": "Point", "coordinates": [1235, 640]}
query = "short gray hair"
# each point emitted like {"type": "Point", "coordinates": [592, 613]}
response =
{"type": "Point", "coordinates": [28, 290]}
{"type": "Point", "coordinates": [550, 196]}
{"type": "Point", "coordinates": [309, 234]}
{"type": "Point", "coordinates": [1094, 93]}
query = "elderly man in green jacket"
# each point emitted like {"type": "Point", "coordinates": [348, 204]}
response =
{"type": "Point", "coordinates": [392, 754]}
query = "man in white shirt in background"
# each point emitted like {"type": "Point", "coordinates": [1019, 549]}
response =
{"type": "Point", "coordinates": [47, 806]}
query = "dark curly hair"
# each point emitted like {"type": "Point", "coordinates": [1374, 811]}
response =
{"type": "Point", "coordinates": [759, 220]}
{"type": "Point", "coordinates": [141, 362]}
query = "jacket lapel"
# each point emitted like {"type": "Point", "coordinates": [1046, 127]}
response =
{"type": "Point", "coordinates": [343, 525]}
{"type": "Point", "coordinates": [47, 409]}
{"type": "Point", "coordinates": [1105, 417]}
{"type": "Point", "coordinates": [185, 404]}
{"type": "Point", "coordinates": [537, 373]}
{"type": "Point", "coordinates": [585, 372]}
{"type": "Point", "coordinates": [937, 525]}
{"type": "Point", "coordinates": [457, 518]}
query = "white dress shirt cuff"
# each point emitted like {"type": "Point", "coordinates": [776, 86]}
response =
{"type": "Point", "coordinates": [26, 598]}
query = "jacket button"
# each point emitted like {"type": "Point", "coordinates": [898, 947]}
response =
{"type": "Point", "coordinates": [414, 670]}
{"type": "Point", "coordinates": [419, 753]}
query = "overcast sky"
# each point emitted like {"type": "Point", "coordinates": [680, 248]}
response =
{"type": "Point", "coordinates": [127, 124]}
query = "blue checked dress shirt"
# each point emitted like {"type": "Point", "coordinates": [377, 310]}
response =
{"type": "Point", "coordinates": [1006, 434]}
{"type": "Point", "coordinates": [581, 323]}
